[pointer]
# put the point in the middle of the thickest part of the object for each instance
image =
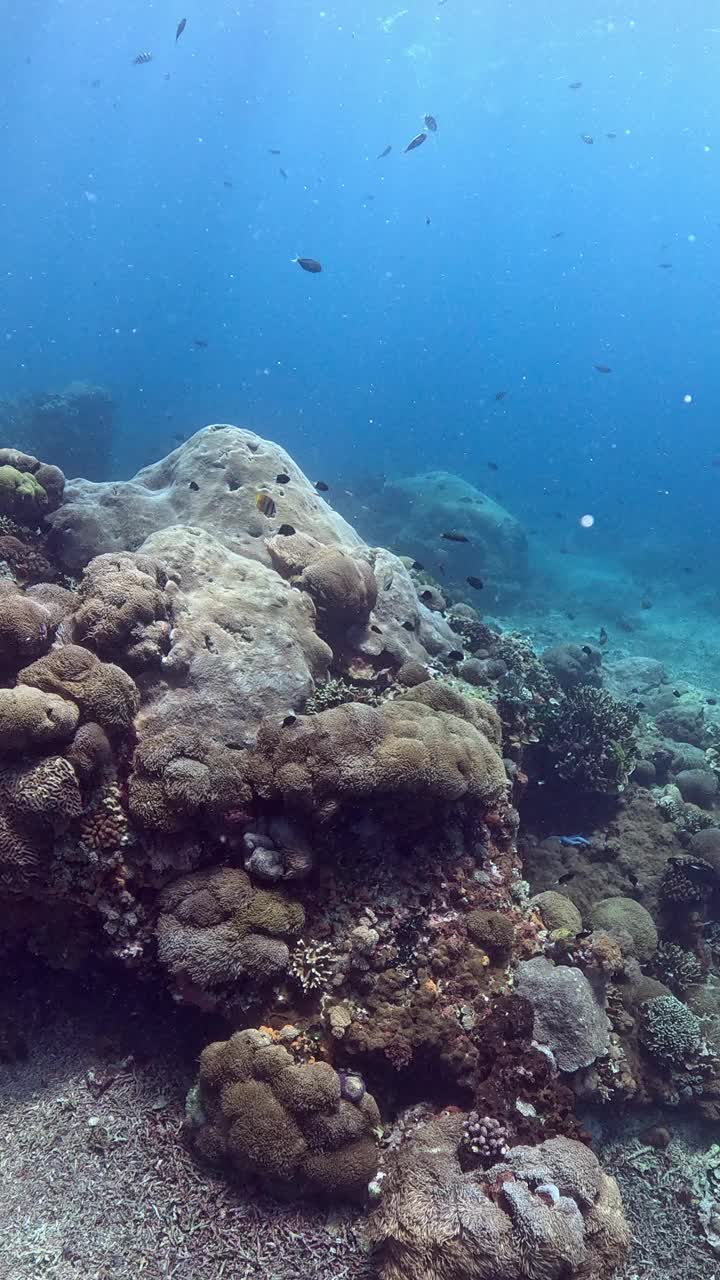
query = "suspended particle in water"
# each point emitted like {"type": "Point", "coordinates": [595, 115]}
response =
{"type": "Point", "coordinates": [587, 521]}
{"type": "Point", "coordinates": [687, 399]}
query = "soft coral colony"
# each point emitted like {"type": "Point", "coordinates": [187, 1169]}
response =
{"type": "Point", "coordinates": [238, 760]}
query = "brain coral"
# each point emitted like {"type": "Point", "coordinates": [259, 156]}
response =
{"type": "Point", "coordinates": [34, 476]}
{"type": "Point", "coordinates": [626, 916]}
{"type": "Point", "coordinates": [180, 773]}
{"type": "Point", "coordinates": [121, 597]}
{"type": "Point", "coordinates": [24, 628]}
{"type": "Point", "coordinates": [403, 750]}
{"type": "Point", "coordinates": [103, 692]}
{"type": "Point", "coordinates": [342, 587]}
{"type": "Point", "coordinates": [37, 801]}
{"type": "Point", "coordinates": [214, 929]}
{"type": "Point", "coordinates": [33, 718]}
{"type": "Point", "coordinates": [545, 1213]}
{"type": "Point", "coordinates": [283, 1123]}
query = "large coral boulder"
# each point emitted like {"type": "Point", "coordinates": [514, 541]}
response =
{"type": "Point", "coordinates": [417, 510]}
{"type": "Point", "coordinates": [242, 645]}
{"type": "Point", "coordinates": [295, 1127]}
{"type": "Point", "coordinates": [404, 755]}
{"type": "Point", "coordinates": [544, 1213]}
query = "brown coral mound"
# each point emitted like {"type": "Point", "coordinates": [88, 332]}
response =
{"type": "Point", "coordinates": [103, 692]}
{"type": "Point", "coordinates": [343, 590]}
{"type": "Point", "coordinates": [25, 630]}
{"type": "Point", "coordinates": [401, 750]}
{"type": "Point", "coordinates": [215, 930]}
{"type": "Point", "coordinates": [28, 488]}
{"type": "Point", "coordinates": [121, 602]}
{"type": "Point", "coordinates": [283, 1123]}
{"type": "Point", "coordinates": [180, 774]}
{"type": "Point", "coordinates": [546, 1213]}
{"type": "Point", "coordinates": [443, 697]}
{"type": "Point", "coordinates": [37, 802]}
{"type": "Point", "coordinates": [34, 718]}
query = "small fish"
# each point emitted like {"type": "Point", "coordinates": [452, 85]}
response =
{"type": "Point", "coordinates": [500, 395]}
{"type": "Point", "coordinates": [192, 485]}
{"type": "Point", "coordinates": [178, 435]}
{"type": "Point", "coordinates": [557, 235]}
{"type": "Point", "coordinates": [574, 842]}
{"type": "Point", "coordinates": [427, 222]}
{"type": "Point", "coordinates": [95, 84]}
{"type": "Point", "coordinates": [417, 566]}
{"type": "Point", "coordinates": [321, 486]}
{"type": "Point", "coordinates": [665, 265]}
{"type": "Point", "coordinates": [645, 603]}
{"type": "Point", "coordinates": [180, 28]}
{"type": "Point", "coordinates": [426, 596]}
{"type": "Point", "coordinates": [266, 504]}
{"type": "Point", "coordinates": [586, 138]}
{"type": "Point", "coordinates": [611, 135]}
{"type": "Point", "coordinates": [227, 183]}
{"type": "Point", "coordinates": [493, 466]}
{"type": "Point", "coordinates": [409, 626]}
{"type": "Point", "coordinates": [274, 151]}
{"type": "Point", "coordinates": [477, 584]}
{"type": "Point", "coordinates": [576, 84]}
{"type": "Point", "coordinates": [287, 530]}
{"type": "Point", "coordinates": [430, 123]}
{"type": "Point", "coordinates": [385, 153]}
{"type": "Point", "coordinates": [587, 650]}
{"type": "Point", "coordinates": [455, 655]}
{"type": "Point", "coordinates": [308, 264]}
{"type": "Point", "coordinates": [603, 637]}
{"type": "Point", "coordinates": [282, 174]}
{"type": "Point", "coordinates": [200, 343]}
{"type": "Point", "coordinates": [417, 141]}
{"type": "Point", "coordinates": [677, 693]}
{"type": "Point", "coordinates": [454, 537]}
{"type": "Point", "coordinates": [640, 706]}
{"type": "Point", "coordinates": [289, 720]}
{"type": "Point", "coordinates": [141, 59]}
{"type": "Point", "coordinates": [602, 368]}
{"type": "Point", "coordinates": [282, 478]}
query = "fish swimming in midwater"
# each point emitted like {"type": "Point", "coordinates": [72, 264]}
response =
{"type": "Point", "coordinates": [321, 486]}
{"type": "Point", "coordinates": [611, 135]}
{"type": "Point", "coordinates": [141, 58]}
{"type": "Point", "coordinates": [192, 485]}
{"type": "Point", "coordinates": [227, 183]}
{"type": "Point", "coordinates": [602, 368]}
{"type": "Point", "coordinates": [200, 343]}
{"type": "Point", "coordinates": [417, 141]}
{"type": "Point", "coordinates": [665, 265]}
{"type": "Point", "coordinates": [587, 650]}
{"type": "Point", "coordinates": [180, 28]}
{"type": "Point", "coordinates": [274, 151]}
{"type": "Point", "coordinates": [603, 637]}
{"type": "Point", "coordinates": [587, 138]}
{"type": "Point", "coordinates": [385, 153]}
{"type": "Point", "coordinates": [493, 466]}
{"type": "Point", "coordinates": [427, 222]}
{"type": "Point", "coordinates": [645, 603]}
{"type": "Point", "coordinates": [282, 174]}
{"type": "Point", "coordinates": [576, 84]}
{"type": "Point", "coordinates": [451, 536]}
{"type": "Point", "coordinates": [308, 264]}
{"type": "Point", "coordinates": [430, 123]}
{"type": "Point", "coordinates": [455, 655]}
{"type": "Point", "coordinates": [500, 395]}
{"type": "Point", "coordinates": [417, 566]}
{"type": "Point", "coordinates": [282, 478]}
{"type": "Point", "coordinates": [557, 234]}
{"type": "Point", "coordinates": [477, 584]}
{"type": "Point", "coordinates": [266, 504]}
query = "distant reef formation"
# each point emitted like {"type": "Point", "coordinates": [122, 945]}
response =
{"type": "Point", "coordinates": [417, 512]}
{"type": "Point", "coordinates": [247, 756]}
{"type": "Point", "coordinates": [74, 426]}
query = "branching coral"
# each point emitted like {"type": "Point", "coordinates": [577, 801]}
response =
{"type": "Point", "coordinates": [589, 738]}
{"type": "Point", "coordinates": [669, 1030]}
{"type": "Point", "coordinates": [677, 968]}
{"type": "Point", "coordinates": [311, 965]}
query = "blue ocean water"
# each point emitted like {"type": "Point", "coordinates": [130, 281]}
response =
{"type": "Point", "coordinates": [143, 211]}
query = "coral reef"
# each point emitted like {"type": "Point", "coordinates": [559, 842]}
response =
{"type": "Point", "coordinates": [545, 1211]}
{"type": "Point", "coordinates": [589, 738]}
